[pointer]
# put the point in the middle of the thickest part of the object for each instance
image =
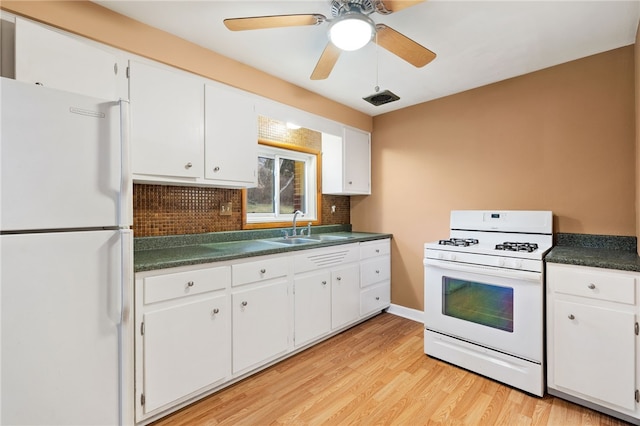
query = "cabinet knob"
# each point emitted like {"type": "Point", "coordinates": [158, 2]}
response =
{"type": "Point", "coordinates": [262, 271]}
{"type": "Point", "coordinates": [188, 165]}
{"type": "Point", "coordinates": [190, 284]}
{"type": "Point", "coordinates": [377, 271]}
{"type": "Point", "coordinates": [216, 169]}
{"type": "Point", "coordinates": [377, 297]}
{"type": "Point", "coordinates": [215, 311]}
{"type": "Point", "coordinates": [324, 283]}
{"type": "Point", "coordinates": [244, 303]}
{"type": "Point", "coordinates": [350, 182]}
{"type": "Point", "coordinates": [592, 286]}
{"type": "Point", "coordinates": [377, 250]}
{"type": "Point", "coordinates": [339, 278]}
{"type": "Point", "coordinates": [571, 317]}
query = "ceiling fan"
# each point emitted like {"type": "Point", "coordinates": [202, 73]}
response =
{"type": "Point", "coordinates": [350, 28]}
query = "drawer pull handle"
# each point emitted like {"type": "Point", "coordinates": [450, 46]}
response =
{"type": "Point", "coordinates": [188, 165]}
{"type": "Point", "coordinates": [591, 286]}
{"type": "Point", "coordinates": [244, 303]}
{"type": "Point", "coordinates": [339, 278]}
{"type": "Point", "coordinates": [190, 284]}
{"type": "Point", "coordinates": [377, 297]}
{"type": "Point", "coordinates": [324, 283]}
{"type": "Point", "coordinates": [571, 317]}
{"type": "Point", "coordinates": [262, 271]}
{"type": "Point", "coordinates": [216, 169]}
{"type": "Point", "coordinates": [215, 311]}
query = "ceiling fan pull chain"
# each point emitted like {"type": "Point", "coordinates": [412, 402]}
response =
{"type": "Point", "coordinates": [377, 88]}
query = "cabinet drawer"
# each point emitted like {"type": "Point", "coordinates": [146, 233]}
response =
{"type": "Point", "coordinates": [259, 270]}
{"type": "Point", "coordinates": [375, 298]}
{"type": "Point", "coordinates": [375, 270]}
{"type": "Point", "coordinates": [602, 284]}
{"type": "Point", "coordinates": [171, 286]}
{"type": "Point", "coordinates": [375, 248]}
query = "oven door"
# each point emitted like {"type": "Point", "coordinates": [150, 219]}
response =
{"type": "Point", "coordinates": [493, 307]}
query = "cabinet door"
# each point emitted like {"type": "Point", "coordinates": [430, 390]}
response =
{"type": "Point", "coordinates": [357, 165]}
{"type": "Point", "coordinates": [312, 306]}
{"type": "Point", "coordinates": [260, 326]}
{"type": "Point", "coordinates": [345, 295]}
{"type": "Point", "coordinates": [595, 352]}
{"type": "Point", "coordinates": [231, 138]}
{"type": "Point", "coordinates": [51, 59]}
{"type": "Point", "coordinates": [167, 122]}
{"type": "Point", "coordinates": [186, 348]}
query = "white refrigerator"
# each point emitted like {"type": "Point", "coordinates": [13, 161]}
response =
{"type": "Point", "coordinates": [66, 266]}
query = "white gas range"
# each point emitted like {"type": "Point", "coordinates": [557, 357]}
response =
{"type": "Point", "coordinates": [484, 295]}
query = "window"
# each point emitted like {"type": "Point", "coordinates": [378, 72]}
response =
{"type": "Point", "coordinates": [287, 181]}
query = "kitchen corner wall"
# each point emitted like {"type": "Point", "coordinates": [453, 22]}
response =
{"type": "Point", "coordinates": [560, 139]}
{"type": "Point", "coordinates": [637, 121]}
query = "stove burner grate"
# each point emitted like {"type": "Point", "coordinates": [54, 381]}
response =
{"type": "Point", "coordinates": [461, 242]}
{"type": "Point", "coordinates": [511, 246]}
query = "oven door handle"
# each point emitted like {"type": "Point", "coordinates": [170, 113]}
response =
{"type": "Point", "coordinates": [485, 270]}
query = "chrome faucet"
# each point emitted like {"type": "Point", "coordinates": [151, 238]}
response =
{"type": "Point", "coordinates": [295, 217]}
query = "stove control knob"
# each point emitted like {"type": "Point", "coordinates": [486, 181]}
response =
{"type": "Point", "coordinates": [452, 257]}
{"type": "Point", "coordinates": [500, 261]}
{"type": "Point", "coordinates": [518, 264]}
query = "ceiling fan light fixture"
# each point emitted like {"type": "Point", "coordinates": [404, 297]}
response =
{"type": "Point", "coordinates": [351, 31]}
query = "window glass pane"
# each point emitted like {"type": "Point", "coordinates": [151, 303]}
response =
{"type": "Point", "coordinates": [292, 186]}
{"type": "Point", "coordinates": [480, 303]}
{"type": "Point", "coordinates": [260, 198]}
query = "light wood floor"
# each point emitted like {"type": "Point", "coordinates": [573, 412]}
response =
{"type": "Point", "coordinates": [377, 374]}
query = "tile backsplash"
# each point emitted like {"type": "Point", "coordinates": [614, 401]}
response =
{"type": "Point", "coordinates": [160, 210]}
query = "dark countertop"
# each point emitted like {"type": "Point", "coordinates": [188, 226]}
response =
{"type": "Point", "coordinates": [598, 251]}
{"type": "Point", "coordinates": [151, 253]}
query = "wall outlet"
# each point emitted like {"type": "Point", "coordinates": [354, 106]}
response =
{"type": "Point", "coordinates": [226, 208]}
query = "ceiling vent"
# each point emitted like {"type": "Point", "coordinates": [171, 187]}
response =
{"type": "Point", "coordinates": [382, 98]}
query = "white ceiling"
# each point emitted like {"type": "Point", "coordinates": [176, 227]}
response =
{"type": "Point", "coordinates": [476, 42]}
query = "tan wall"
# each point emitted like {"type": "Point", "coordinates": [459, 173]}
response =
{"type": "Point", "coordinates": [97, 23]}
{"type": "Point", "coordinates": [637, 93]}
{"type": "Point", "coordinates": [561, 139]}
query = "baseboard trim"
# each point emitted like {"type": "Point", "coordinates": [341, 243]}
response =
{"type": "Point", "coordinates": [408, 313]}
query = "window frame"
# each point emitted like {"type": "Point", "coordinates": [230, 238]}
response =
{"type": "Point", "coordinates": [281, 221]}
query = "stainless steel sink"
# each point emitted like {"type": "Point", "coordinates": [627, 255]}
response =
{"type": "Point", "coordinates": [322, 237]}
{"type": "Point", "coordinates": [293, 241]}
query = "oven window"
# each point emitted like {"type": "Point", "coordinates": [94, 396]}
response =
{"type": "Point", "coordinates": [484, 304]}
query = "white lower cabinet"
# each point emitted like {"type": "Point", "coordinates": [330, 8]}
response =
{"type": "Point", "coordinates": [260, 324]}
{"type": "Point", "coordinates": [182, 350]}
{"type": "Point", "coordinates": [375, 276]}
{"type": "Point", "coordinates": [592, 337]}
{"type": "Point", "coordinates": [345, 295]}
{"type": "Point", "coordinates": [183, 321]}
{"type": "Point", "coordinates": [312, 306]}
{"type": "Point", "coordinates": [202, 327]}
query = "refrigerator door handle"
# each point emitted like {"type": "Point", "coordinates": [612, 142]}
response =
{"type": "Point", "coordinates": [126, 288]}
{"type": "Point", "coordinates": [126, 184]}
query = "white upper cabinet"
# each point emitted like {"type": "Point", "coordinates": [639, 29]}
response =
{"type": "Point", "coordinates": [51, 59]}
{"type": "Point", "coordinates": [346, 163]}
{"type": "Point", "coordinates": [167, 124]}
{"type": "Point", "coordinates": [231, 137]}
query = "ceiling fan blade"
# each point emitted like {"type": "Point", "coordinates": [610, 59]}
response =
{"type": "Point", "coordinates": [326, 62]}
{"type": "Point", "coordinates": [403, 46]}
{"type": "Point", "coordinates": [397, 5]}
{"type": "Point", "coordinates": [277, 21]}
